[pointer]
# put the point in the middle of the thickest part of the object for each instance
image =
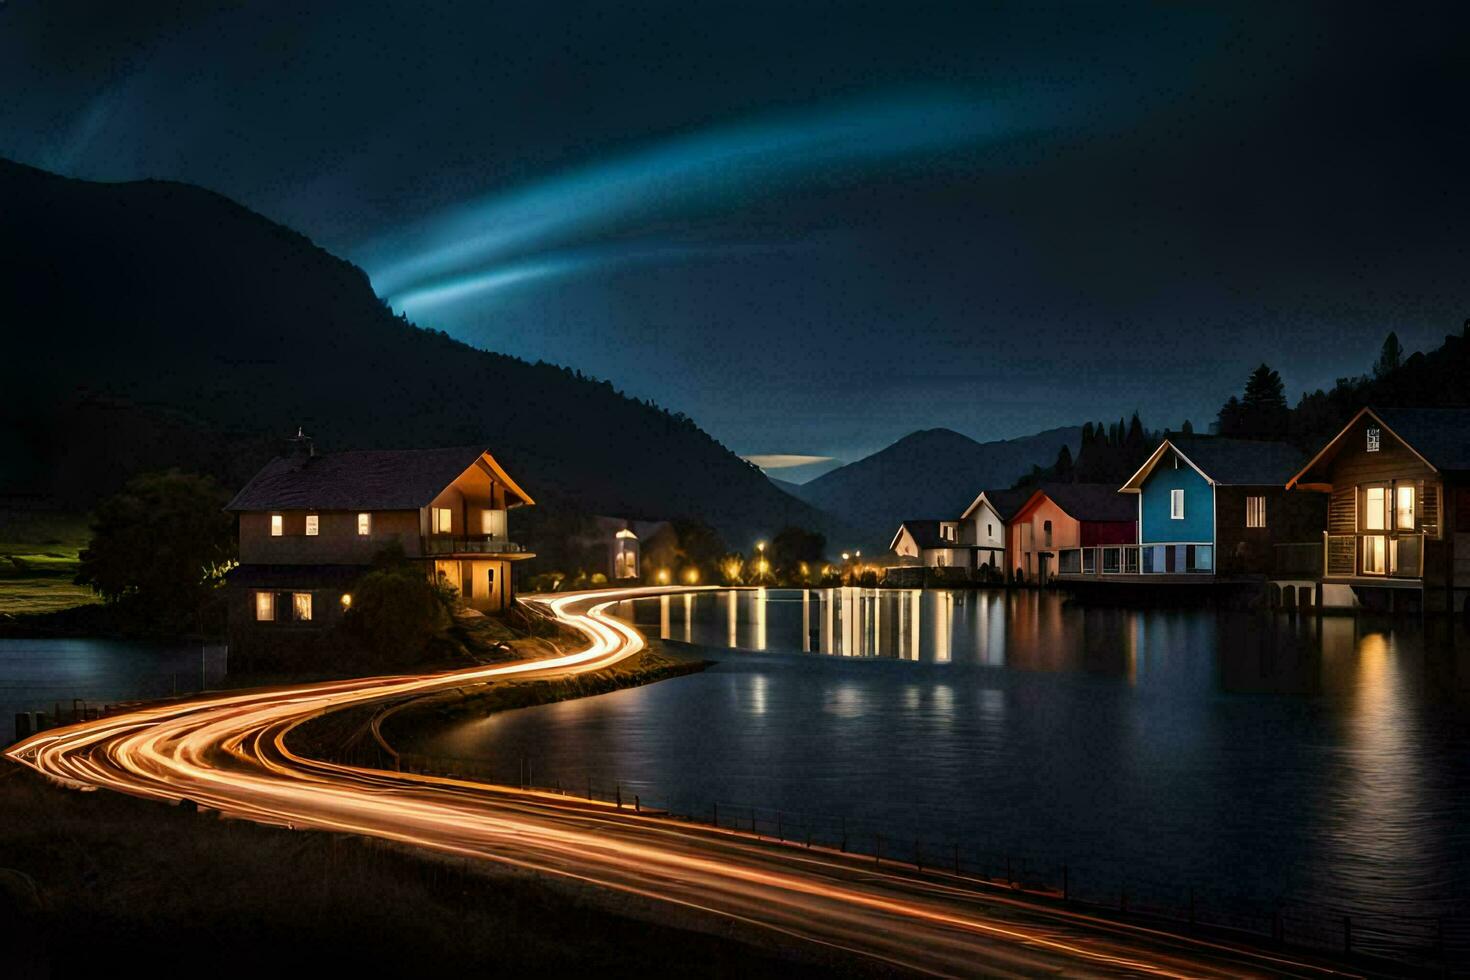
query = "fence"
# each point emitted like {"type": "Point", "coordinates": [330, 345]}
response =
{"type": "Point", "coordinates": [1436, 943]}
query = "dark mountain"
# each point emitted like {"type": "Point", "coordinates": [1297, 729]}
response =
{"type": "Point", "coordinates": [156, 324]}
{"type": "Point", "coordinates": [928, 474]}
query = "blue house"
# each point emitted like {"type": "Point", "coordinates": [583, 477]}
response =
{"type": "Point", "coordinates": [1211, 506]}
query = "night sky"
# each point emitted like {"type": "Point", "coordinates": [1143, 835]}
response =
{"type": "Point", "coordinates": [815, 228]}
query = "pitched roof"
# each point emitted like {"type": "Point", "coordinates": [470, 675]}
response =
{"type": "Point", "coordinates": [377, 479]}
{"type": "Point", "coordinates": [1440, 435]}
{"type": "Point", "coordinates": [1092, 501]}
{"type": "Point", "coordinates": [1227, 462]}
{"type": "Point", "coordinates": [1004, 502]}
{"type": "Point", "coordinates": [925, 535]}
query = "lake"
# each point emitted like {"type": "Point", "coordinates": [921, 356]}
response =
{"type": "Point", "coordinates": [37, 675]}
{"type": "Point", "coordinates": [1250, 757]}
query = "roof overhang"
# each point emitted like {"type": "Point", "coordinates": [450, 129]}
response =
{"type": "Point", "coordinates": [499, 473]}
{"type": "Point", "coordinates": [898, 534]}
{"type": "Point", "coordinates": [1331, 449]}
{"type": "Point", "coordinates": [1134, 483]}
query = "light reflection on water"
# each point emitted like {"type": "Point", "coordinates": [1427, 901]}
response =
{"type": "Point", "coordinates": [1321, 760]}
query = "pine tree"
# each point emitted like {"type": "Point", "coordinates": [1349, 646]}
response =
{"type": "Point", "coordinates": [1063, 465]}
{"type": "Point", "coordinates": [1390, 358]}
{"type": "Point", "coordinates": [1187, 429]}
{"type": "Point", "coordinates": [1135, 432]}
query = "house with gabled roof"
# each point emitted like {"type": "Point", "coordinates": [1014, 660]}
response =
{"type": "Point", "coordinates": [1396, 483]}
{"type": "Point", "coordinates": [1063, 527]}
{"type": "Point", "coordinates": [933, 544]}
{"type": "Point", "coordinates": [1211, 506]}
{"type": "Point", "coordinates": [311, 524]}
{"type": "Point", "coordinates": [983, 525]}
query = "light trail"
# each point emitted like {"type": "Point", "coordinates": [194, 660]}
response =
{"type": "Point", "coordinates": [229, 753]}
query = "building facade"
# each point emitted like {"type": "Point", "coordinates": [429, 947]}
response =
{"type": "Point", "coordinates": [310, 525]}
{"type": "Point", "coordinates": [1396, 483]}
{"type": "Point", "coordinates": [983, 526]}
{"type": "Point", "coordinates": [1070, 529]}
{"type": "Point", "coordinates": [1210, 506]}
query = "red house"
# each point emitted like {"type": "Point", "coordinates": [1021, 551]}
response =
{"type": "Point", "coordinates": [1073, 528]}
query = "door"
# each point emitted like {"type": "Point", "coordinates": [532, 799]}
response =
{"type": "Point", "coordinates": [1375, 518]}
{"type": "Point", "coordinates": [1045, 575]}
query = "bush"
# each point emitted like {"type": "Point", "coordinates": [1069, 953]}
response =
{"type": "Point", "coordinates": [396, 611]}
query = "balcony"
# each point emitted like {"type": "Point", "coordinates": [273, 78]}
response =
{"type": "Point", "coordinates": [1366, 557]}
{"type": "Point", "coordinates": [474, 544]}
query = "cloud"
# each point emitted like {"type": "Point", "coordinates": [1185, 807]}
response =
{"type": "Point", "coordinates": [502, 239]}
{"type": "Point", "coordinates": [785, 461]}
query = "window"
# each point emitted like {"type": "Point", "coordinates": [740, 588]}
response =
{"type": "Point", "coordinates": [990, 530]}
{"type": "Point", "coordinates": [1204, 558]}
{"type": "Point", "coordinates": [1404, 507]}
{"type": "Point", "coordinates": [1255, 511]}
{"type": "Point", "coordinates": [947, 531]}
{"type": "Point", "coordinates": [492, 523]}
{"type": "Point", "coordinates": [313, 525]}
{"type": "Point", "coordinates": [301, 606]}
{"type": "Point", "coordinates": [1046, 533]}
{"type": "Point", "coordinates": [1176, 505]}
{"type": "Point", "coordinates": [1375, 549]}
{"type": "Point", "coordinates": [277, 526]}
{"type": "Point", "coordinates": [265, 606]}
{"type": "Point", "coordinates": [443, 520]}
{"type": "Point", "coordinates": [364, 525]}
{"type": "Point", "coordinates": [1375, 518]}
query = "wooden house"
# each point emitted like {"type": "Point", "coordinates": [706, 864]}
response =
{"type": "Point", "coordinates": [1070, 529]}
{"type": "Point", "coordinates": [1397, 486]}
{"type": "Point", "coordinates": [1213, 507]}
{"type": "Point", "coordinates": [311, 525]}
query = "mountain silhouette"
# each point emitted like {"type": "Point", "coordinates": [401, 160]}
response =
{"type": "Point", "coordinates": [928, 474]}
{"type": "Point", "coordinates": [154, 324]}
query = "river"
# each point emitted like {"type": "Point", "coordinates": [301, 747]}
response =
{"type": "Point", "coordinates": [1241, 758]}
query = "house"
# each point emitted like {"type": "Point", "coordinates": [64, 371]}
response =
{"type": "Point", "coordinates": [933, 544]}
{"type": "Point", "coordinates": [1212, 507]}
{"type": "Point", "coordinates": [1397, 487]}
{"type": "Point", "coordinates": [311, 525]}
{"type": "Point", "coordinates": [1065, 527]}
{"type": "Point", "coordinates": [983, 525]}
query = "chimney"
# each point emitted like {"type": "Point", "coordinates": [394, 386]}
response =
{"type": "Point", "coordinates": [300, 446]}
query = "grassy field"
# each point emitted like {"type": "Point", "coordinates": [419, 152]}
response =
{"type": "Point", "coordinates": [92, 880]}
{"type": "Point", "coordinates": [38, 559]}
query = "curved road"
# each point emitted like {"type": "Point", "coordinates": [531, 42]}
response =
{"type": "Point", "coordinates": [229, 753]}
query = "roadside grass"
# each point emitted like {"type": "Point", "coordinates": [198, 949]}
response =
{"type": "Point", "coordinates": [38, 560]}
{"type": "Point", "coordinates": [124, 880]}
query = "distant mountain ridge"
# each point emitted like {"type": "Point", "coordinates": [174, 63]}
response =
{"type": "Point", "coordinates": [931, 473]}
{"type": "Point", "coordinates": [155, 324]}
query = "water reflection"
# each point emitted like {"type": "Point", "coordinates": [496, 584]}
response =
{"type": "Point", "coordinates": [1326, 760]}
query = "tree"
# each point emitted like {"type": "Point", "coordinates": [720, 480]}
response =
{"type": "Point", "coordinates": [1187, 429]}
{"type": "Point", "coordinates": [160, 546]}
{"type": "Point", "coordinates": [1390, 358]}
{"type": "Point", "coordinates": [1063, 466]}
{"type": "Point", "coordinates": [700, 546]}
{"type": "Point", "coordinates": [1262, 412]}
{"type": "Point", "coordinates": [396, 610]}
{"type": "Point", "coordinates": [793, 547]}
{"type": "Point", "coordinates": [1135, 436]}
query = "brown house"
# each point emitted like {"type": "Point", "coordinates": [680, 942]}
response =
{"type": "Point", "coordinates": [310, 526]}
{"type": "Point", "coordinates": [1398, 516]}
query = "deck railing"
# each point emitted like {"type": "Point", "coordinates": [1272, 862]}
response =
{"type": "Point", "coordinates": [1347, 555]}
{"type": "Point", "coordinates": [476, 544]}
{"type": "Point", "coordinates": [1113, 559]}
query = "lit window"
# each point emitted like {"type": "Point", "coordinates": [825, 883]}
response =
{"type": "Point", "coordinates": [1404, 508]}
{"type": "Point", "coordinates": [265, 606]}
{"type": "Point", "coordinates": [1255, 511]}
{"type": "Point", "coordinates": [1375, 517]}
{"type": "Point", "coordinates": [277, 526]}
{"type": "Point", "coordinates": [364, 525]}
{"type": "Point", "coordinates": [1176, 505]}
{"type": "Point", "coordinates": [313, 525]}
{"type": "Point", "coordinates": [443, 520]}
{"type": "Point", "coordinates": [301, 606]}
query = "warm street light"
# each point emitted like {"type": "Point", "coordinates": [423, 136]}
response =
{"type": "Point", "coordinates": [663, 576]}
{"type": "Point", "coordinates": [845, 556]}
